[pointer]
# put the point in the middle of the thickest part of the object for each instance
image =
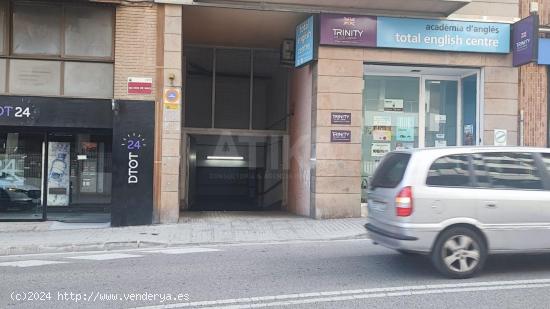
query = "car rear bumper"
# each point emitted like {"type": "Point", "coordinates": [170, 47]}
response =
{"type": "Point", "coordinates": [407, 241]}
{"type": "Point", "coordinates": [374, 230]}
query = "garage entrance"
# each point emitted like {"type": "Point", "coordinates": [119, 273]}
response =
{"type": "Point", "coordinates": [235, 173]}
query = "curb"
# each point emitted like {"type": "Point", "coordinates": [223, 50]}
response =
{"type": "Point", "coordinates": [136, 244]}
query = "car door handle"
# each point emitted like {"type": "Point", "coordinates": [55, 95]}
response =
{"type": "Point", "coordinates": [491, 205]}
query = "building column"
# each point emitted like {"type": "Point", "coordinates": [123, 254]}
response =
{"type": "Point", "coordinates": [336, 176]}
{"type": "Point", "coordinates": [169, 72]}
{"type": "Point", "coordinates": [533, 89]}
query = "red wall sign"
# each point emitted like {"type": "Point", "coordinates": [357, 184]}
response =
{"type": "Point", "coordinates": [140, 85]}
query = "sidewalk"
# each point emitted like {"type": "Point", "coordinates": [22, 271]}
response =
{"type": "Point", "coordinates": [193, 228]}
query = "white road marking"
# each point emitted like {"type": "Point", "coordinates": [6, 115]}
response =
{"type": "Point", "coordinates": [183, 250]}
{"type": "Point", "coordinates": [103, 257]}
{"type": "Point", "coordinates": [346, 295]}
{"type": "Point", "coordinates": [30, 263]}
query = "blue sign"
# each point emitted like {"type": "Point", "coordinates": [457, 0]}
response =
{"type": "Point", "coordinates": [447, 35]}
{"type": "Point", "coordinates": [544, 51]}
{"type": "Point", "coordinates": [304, 42]}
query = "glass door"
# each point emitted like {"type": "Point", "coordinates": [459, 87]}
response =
{"type": "Point", "coordinates": [441, 102]}
{"type": "Point", "coordinates": [79, 176]}
{"type": "Point", "coordinates": [21, 162]}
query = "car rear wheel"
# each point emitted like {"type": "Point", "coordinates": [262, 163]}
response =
{"type": "Point", "coordinates": [459, 253]}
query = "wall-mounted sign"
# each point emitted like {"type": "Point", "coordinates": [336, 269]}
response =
{"type": "Point", "coordinates": [348, 30]}
{"type": "Point", "coordinates": [447, 35]}
{"type": "Point", "coordinates": [305, 42]}
{"type": "Point", "coordinates": [414, 33]}
{"type": "Point", "coordinates": [340, 136]}
{"type": "Point", "coordinates": [140, 85]}
{"type": "Point", "coordinates": [524, 40]}
{"type": "Point", "coordinates": [544, 51]}
{"type": "Point", "coordinates": [340, 118]}
{"type": "Point", "coordinates": [55, 112]}
{"type": "Point", "coordinates": [501, 137]}
{"type": "Point", "coordinates": [172, 97]}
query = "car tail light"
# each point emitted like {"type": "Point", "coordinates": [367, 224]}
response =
{"type": "Point", "coordinates": [404, 202]}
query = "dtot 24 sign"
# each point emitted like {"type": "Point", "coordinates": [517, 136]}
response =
{"type": "Point", "coordinates": [8, 111]}
{"type": "Point", "coordinates": [133, 143]}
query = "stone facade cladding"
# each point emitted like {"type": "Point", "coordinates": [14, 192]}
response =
{"type": "Point", "coordinates": [340, 88]}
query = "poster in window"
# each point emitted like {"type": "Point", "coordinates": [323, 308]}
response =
{"type": "Point", "coordinates": [381, 133]}
{"type": "Point", "coordinates": [393, 105]}
{"type": "Point", "coordinates": [59, 166]}
{"type": "Point", "coordinates": [405, 134]}
{"type": "Point", "coordinates": [88, 167]}
{"type": "Point", "coordinates": [380, 149]}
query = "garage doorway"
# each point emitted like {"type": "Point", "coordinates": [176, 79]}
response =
{"type": "Point", "coordinates": [235, 173]}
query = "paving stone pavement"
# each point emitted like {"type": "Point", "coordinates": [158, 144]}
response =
{"type": "Point", "coordinates": [193, 228]}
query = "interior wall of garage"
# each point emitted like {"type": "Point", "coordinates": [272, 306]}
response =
{"type": "Point", "coordinates": [300, 127]}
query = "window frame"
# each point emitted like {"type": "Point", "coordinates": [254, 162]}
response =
{"type": "Point", "coordinates": [62, 56]}
{"type": "Point", "coordinates": [8, 53]}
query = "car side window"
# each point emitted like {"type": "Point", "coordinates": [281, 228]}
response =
{"type": "Point", "coordinates": [450, 171]}
{"type": "Point", "coordinates": [507, 170]}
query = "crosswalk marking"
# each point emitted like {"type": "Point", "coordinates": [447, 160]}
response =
{"type": "Point", "coordinates": [183, 250]}
{"type": "Point", "coordinates": [104, 257]}
{"type": "Point", "coordinates": [30, 263]}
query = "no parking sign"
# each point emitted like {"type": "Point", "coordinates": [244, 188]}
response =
{"type": "Point", "coordinates": [172, 97]}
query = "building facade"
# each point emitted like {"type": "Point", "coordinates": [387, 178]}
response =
{"type": "Point", "coordinates": [134, 111]}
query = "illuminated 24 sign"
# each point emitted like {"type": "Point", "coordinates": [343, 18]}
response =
{"type": "Point", "coordinates": [133, 143]}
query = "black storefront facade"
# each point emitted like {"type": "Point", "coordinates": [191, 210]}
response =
{"type": "Point", "coordinates": [76, 160]}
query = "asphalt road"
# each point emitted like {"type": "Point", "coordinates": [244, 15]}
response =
{"type": "Point", "coordinates": [334, 274]}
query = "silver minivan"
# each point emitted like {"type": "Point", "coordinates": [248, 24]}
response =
{"type": "Point", "coordinates": [460, 204]}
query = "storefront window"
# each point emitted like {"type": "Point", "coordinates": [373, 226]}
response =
{"type": "Point", "coordinates": [20, 176]}
{"type": "Point", "coordinates": [390, 113]}
{"type": "Point", "coordinates": [405, 108]}
{"type": "Point", "coordinates": [77, 182]}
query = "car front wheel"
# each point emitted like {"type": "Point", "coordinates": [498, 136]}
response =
{"type": "Point", "coordinates": [459, 253]}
